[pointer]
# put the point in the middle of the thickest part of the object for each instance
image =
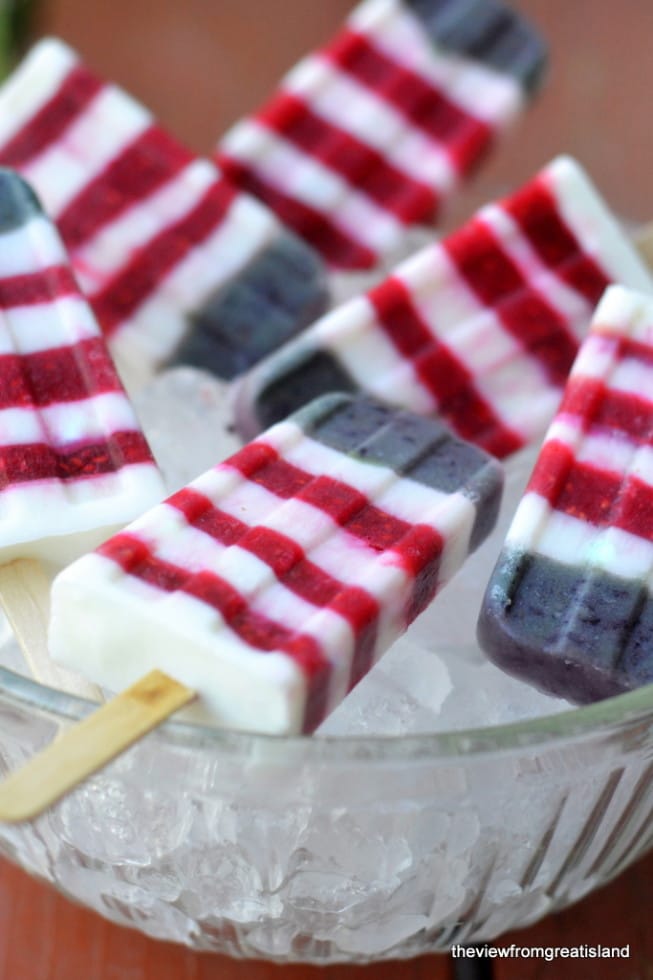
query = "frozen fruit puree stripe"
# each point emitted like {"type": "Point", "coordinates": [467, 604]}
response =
{"type": "Point", "coordinates": [584, 528]}
{"type": "Point", "coordinates": [57, 374]}
{"type": "Point", "coordinates": [74, 464]}
{"type": "Point", "coordinates": [285, 572]}
{"type": "Point", "coordinates": [480, 328]}
{"type": "Point", "coordinates": [178, 265]}
{"type": "Point", "coordinates": [79, 87]}
{"type": "Point", "coordinates": [372, 132]}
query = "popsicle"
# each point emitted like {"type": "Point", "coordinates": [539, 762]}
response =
{"type": "Point", "coordinates": [373, 132]}
{"type": "Point", "coordinates": [480, 328]}
{"type": "Point", "coordinates": [272, 583]}
{"type": "Point", "coordinates": [178, 265]}
{"type": "Point", "coordinates": [74, 464]}
{"type": "Point", "coordinates": [568, 607]}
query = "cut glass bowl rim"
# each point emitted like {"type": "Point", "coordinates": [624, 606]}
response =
{"type": "Point", "coordinates": [623, 714]}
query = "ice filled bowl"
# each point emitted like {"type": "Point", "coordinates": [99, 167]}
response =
{"type": "Point", "coordinates": [442, 803]}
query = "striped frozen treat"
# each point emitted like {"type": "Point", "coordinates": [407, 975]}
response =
{"type": "Point", "coordinates": [273, 582]}
{"type": "Point", "coordinates": [569, 604]}
{"type": "Point", "coordinates": [480, 328]}
{"type": "Point", "coordinates": [371, 133]}
{"type": "Point", "coordinates": [178, 265]}
{"type": "Point", "coordinates": [74, 464]}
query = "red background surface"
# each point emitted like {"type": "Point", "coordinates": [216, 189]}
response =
{"type": "Point", "coordinates": [199, 65]}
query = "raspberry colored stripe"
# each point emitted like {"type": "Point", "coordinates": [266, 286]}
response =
{"type": "Point", "coordinates": [441, 373]}
{"type": "Point", "coordinates": [261, 633]}
{"type": "Point", "coordinates": [591, 494]}
{"type": "Point", "coordinates": [578, 489]}
{"type": "Point", "coordinates": [61, 374]}
{"type": "Point", "coordinates": [37, 461]}
{"type": "Point", "coordinates": [142, 274]}
{"type": "Point", "coordinates": [337, 248]}
{"type": "Point", "coordinates": [464, 137]}
{"type": "Point", "coordinates": [625, 347]}
{"type": "Point", "coordinates": [498, 283]}
{"type": "Point", "coordinates": [362, 167]}
{"type": "Point", "coordinates": [42, 286]}
{"type": "Point", "coordinates": [601, 407]}
{"type": "Point", "coordinates": [635, 512]}
{"type": "Point", "coordinates": [535, 210]}
{"type": "Point", "coordinates": [293, 569]}
{"type": "Point", "coordinates": [152, 159]}
{"type": "Point", "coordinates": [345, 505]}
{"type": "Point", "coordinates": [49, 123]}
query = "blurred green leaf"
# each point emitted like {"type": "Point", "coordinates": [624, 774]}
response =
{"type": "Point", "coordinates": [15, 16]}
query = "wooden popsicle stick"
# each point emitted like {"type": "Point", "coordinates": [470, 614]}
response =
{"type": "Point", "coordinates": [25, 598]}
{"type": "Point", "coordinates": [643, 239]}
{"type": "Point", "coordinates": [88, 746]}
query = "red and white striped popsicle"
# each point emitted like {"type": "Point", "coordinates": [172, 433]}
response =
{"type": "Point", "coordinates": [480, 328]}
{"type": "Point", "coordinates": [373, 132]}
{"type": "Point", "coordinates": [568, 607]}
{"type": "Point", "coordinates": [74, 464]}
{"type": "Point", "coordinates": [178, 265]}
{"type": "Point", "coordinates": [271, 584]}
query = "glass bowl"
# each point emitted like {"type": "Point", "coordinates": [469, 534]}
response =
{"type": "Point", "coordinates": [346, 848]}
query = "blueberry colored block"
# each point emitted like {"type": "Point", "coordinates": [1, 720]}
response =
{"type": "Point", "coordinates": [281, 291]}
{"type": "Point", "coordinates": [300, 380]}
{"type": "Point", "coordinates": [637, 656]}
{"type": "Point", "coordinates": [18, 202]}
{"type": "Point", "coordinates": [422, 449]}
{"type": "Point", "coordinates": [489, 31]}
{"type": "Point", "coordinates": [560, 628]}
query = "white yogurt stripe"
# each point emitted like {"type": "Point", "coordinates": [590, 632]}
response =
{"type": "Point", "coordinates": [438, 291]}
{"type": "Point", "coordinates": [30, 247]}
{"type": "Point", "coordinates": [306, 179]}
{"type": "Point", "coordinates": [596, 229]}
{"type": "Point", "coordinates": [158, 325]}
{"type": "Point", "coordinates": [531, 516]}
{"type": "Point", "coordinates": [97, 417]}
{"type": "Point", "coordinates": [566, 539]}
{"type": "Point", "coordinates": [569, 303]}
{"type": "Point", "coordinates": [112, 245]}
{"type": "Point", "coordinates": [623, 554]}
{"type": "Point", "coordinates": [42, 326]}
{"type": "Point", "coordinates": [633, 376]}
{"type": "Point", "coordinates": [607, 452]}
{"type": "Point", "coordinates": [109, 123]}
{"type": "Point", "coordinates": [62, 521]}
{"type": "Point", "coordinates": [539, 530]}
{"type": "Point", "coordinates": [624, 313]}
{"type": "Point", "coordinates": [340, 554]}
{"type": "Point", "coordinates": [481, 91]}
{"type": "Point", "coordinates": [245, 230]}
{"type": "Point", "coordinates": [265, 595]}
{"type": "Point", "coordinates": [596, 358]}
{"type": "Point", "coordinates": [388, 582]}
{"type": "Point", "coordinates": [509, 388]}
{"type": "Point", "coordinates": [33, 84]}
{"type": "Point", "coordinates": [223, 668]}
{"type": "Point", "coordinates": [454, 519]}
{"type": "Point", "coordinates": [254, 580]}
{"type": "Point", "coordinates": [353, 334]}
{"type": "Point", "coordinates": [347, 104]}
{"type": "Point", "coordinates": [642, 467]}
{"type": "Point", "coordinates": [155, 329]}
